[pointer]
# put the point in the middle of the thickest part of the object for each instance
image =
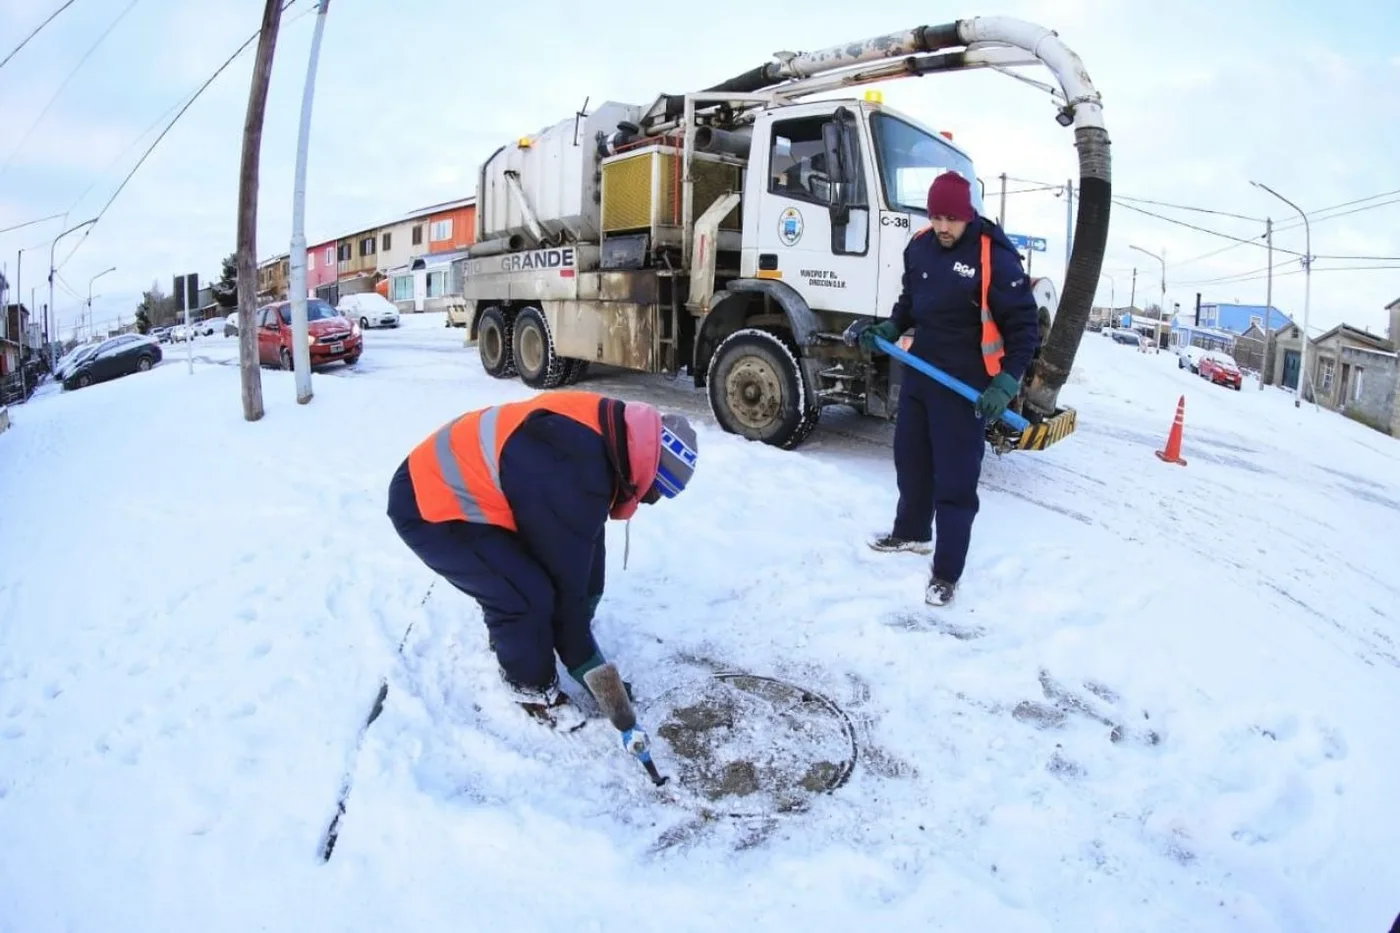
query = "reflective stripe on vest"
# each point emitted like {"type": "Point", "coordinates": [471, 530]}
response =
{"type": "Point", "coordinates": [456, 471]}
{"type": "Point", "coordinates": [992, 348]}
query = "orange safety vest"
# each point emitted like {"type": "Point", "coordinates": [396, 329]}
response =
{"type": "Point", "coordinates": [456, 470]}
{"type": "Point", "coordinates": [992, 347]}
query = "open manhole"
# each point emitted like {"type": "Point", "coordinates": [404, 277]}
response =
{"type": "Point", "coordinates": [745, 745]}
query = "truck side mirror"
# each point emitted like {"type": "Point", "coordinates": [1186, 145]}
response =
{"type": "Point", "coordinates": [835, 136]}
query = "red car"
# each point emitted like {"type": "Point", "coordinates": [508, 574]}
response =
{"type": "Point", "coordinates": [333, 337]}
{"type": "Point", "coordinates": [1221, 370]}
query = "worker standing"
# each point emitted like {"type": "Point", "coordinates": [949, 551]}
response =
{"type": "Point", "coordinates": [509, 504]}
{"type": "Point", "coordinates": [974, 316]}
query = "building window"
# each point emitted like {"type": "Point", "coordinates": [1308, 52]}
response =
{"type": "Point", "coordinates": [1358, 372]}
{"type": "Point", "coordinates": [385, 243]}
{"type": "Point", "coordinates": [437, 284]}
{"type": "Point", "coordinates": [310, 261]}
{"type": "Point", "coordinates": [367, 246]}
{"type": "Point", "coordinates": [441, 230]}
{"type": "Point", "coordinates": [1325, 371]}
{"type": "Point", "coordinates": [343, 251]}
{"type": "Point", "coordinates": [330, 255]}
{"type": "Point", "coordinates": [401, 289]}
{"type": "Point", "coordinates": [418, 235]}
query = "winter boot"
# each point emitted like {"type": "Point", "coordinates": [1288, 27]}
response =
{"type": "Point", "coordinates": [891, 543]}
{"type": "Point", "coordinates": [939, 592]}
{"type": "Point", "coordinates": [549, 706]}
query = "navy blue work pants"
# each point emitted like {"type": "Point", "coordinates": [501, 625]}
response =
{"type": "Point", "coordinates": [493, 566]}
{"type": "Point", "coordinates": [938, 446]}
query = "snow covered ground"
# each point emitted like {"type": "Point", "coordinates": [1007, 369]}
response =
{"type": "Point", "coordinates": [1165, 698]}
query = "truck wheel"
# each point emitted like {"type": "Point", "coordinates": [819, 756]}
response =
{"type": "Point", "coordinates": [533, 349]}
{"type": "Point", "coordinates": [493, 343]}
{"type": "Point", "coordinates": [756, 391]}
{"type": "Point", "coordinates": [574, 370]}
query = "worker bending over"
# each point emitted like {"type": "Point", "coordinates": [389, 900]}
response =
{"type": "Point", "coordinates": [509, 504]}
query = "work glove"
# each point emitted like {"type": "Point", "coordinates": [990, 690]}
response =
{"type": "Point", "coordinates": [577, 673]}
{"type": "Point", "coordinates": [863, 333]}
{"type": "Point", "coordinates": [994, 399]}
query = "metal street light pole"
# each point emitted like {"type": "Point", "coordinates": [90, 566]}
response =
{"type": "Point", "coordinates": [1112, 300]}
{"type": "Point", "coordinates": [1307, 287]}
{"type": "Point", "coordinates": [53, 347]}
{"type": "Point", "coordinates": [1162, 305]}
{"type": "Point", "coordinates": [89, 300]}
{"type": "Point", "coordinates": [301, 342]}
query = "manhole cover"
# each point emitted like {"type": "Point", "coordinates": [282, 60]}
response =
{"type": "Point", "coordinates": [746, 745]}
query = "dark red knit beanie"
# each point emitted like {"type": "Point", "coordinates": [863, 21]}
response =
{"type": "Point", "coordinates": [950, 196]}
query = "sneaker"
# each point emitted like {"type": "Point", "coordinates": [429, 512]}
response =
{"type": "Point", "coordinates": [891, 543]}
{"type": "Point", "coordinates": [939, 592]}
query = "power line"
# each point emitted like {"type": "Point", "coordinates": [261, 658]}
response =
{"type": "Point", "coordinates": [71, 75]}
{"type": "Point", "coordinates": [1184, 207]}
{"type": "Point", "coordinates": [35, 33]}
{"type": "Point", "coordinates": [156, 142]}
{"type": "Point", "coordinates": [30, 223]}
{"type": "Point", "coordinates": [1259, 277]}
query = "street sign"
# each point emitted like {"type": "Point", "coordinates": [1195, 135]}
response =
{"type": "Point", "coordinates": [1021, 241]}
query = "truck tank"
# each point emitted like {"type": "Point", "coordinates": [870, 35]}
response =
{"type": "Point", "coordinates": [557, 170]}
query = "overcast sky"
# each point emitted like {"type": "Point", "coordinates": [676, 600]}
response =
{"type": "Point", "coordinates": [1199, 98]}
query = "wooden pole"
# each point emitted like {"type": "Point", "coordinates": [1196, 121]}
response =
{"type": "Point", "coordinates": [250, 375]}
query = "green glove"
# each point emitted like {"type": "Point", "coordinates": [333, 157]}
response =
{"type": "Point", "coordinates": [597, 660]}
{"type": "Point", "coordinates": [994, 399]}
{"type": "Point", "coordinates": [886, 329]}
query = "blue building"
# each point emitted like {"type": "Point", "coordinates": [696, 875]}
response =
{"type": "Point", "coordinates": [1236, 318]}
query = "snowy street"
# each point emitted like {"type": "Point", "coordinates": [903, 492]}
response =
{"type": "Point", "coordinates": [1165, 698]}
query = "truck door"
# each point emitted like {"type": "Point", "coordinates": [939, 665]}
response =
{"type": "Point", "coordinates": [832, 267]}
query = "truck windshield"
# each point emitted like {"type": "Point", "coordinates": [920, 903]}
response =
{"type": "Point", "coordinates": [910, 159]}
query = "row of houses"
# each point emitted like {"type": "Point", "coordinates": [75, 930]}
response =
{"type": "Point", "coordinates": [1349, 370]}
{"type": "Point", "coordinates": [414, 261]}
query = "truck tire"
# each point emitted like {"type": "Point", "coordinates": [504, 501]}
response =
{"type": "Point", "coordinates": [533, 351]}
{"type": "Point", "coordinates": [755, 388]}
{"type": "Point", "coordinates": [493, 343]}
{"type": "Point", "coordinates": [574, 370]}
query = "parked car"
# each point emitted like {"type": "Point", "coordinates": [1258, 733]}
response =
{"type": "Point", "coordinates": [119, 356]}
{"type": "Point", "coordinates": [370, 309]}
{"type": "Point", "coordinates": [333, 337]}
{"type": "Point", "coordinates": [1188, 357]}
{"type": "Point", "coordinates": [1221, 369]}
{"type": "Point", "coordinates": [206, 327]}
{"type": "Point", "coordinates": [73, 358]}
{"type": "Point", "coordinates": [1126, 335]}
{"type": "Point", "coordinates": [231, 325]}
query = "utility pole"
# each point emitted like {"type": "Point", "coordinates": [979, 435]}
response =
{"type": "Point", "coordinates": [1268, 302]}
{"type": "Point", "coordinates": [1307, 290]}
{"type": "Point", "coordinates": [301, 343]}
{"type": "Point", "coordinates": [1162, 305]}
{"type": "Point", "coordinates": [53, 347]}
{"type": "Point", "coordinates": [1001, 213]}
{"type": "Point", "coordinates": [249, 375]}
{"type": "Point", "coordinates": [1132, 299]}
{"type": "Point", "coordinates": [89, 300]}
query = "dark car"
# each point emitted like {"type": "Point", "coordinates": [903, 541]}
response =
{"type": "Point", "coordinates": [119, 356]}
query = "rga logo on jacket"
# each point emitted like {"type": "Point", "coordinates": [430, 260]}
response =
{"type": "Point", "coordinates": [964, 270]}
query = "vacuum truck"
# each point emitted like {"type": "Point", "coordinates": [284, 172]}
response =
{"type": "Point", "coordinates": [735, 233]}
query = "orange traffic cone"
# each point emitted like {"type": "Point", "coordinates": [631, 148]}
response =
{"type": "Point", "coordinates": [1173, 452]}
